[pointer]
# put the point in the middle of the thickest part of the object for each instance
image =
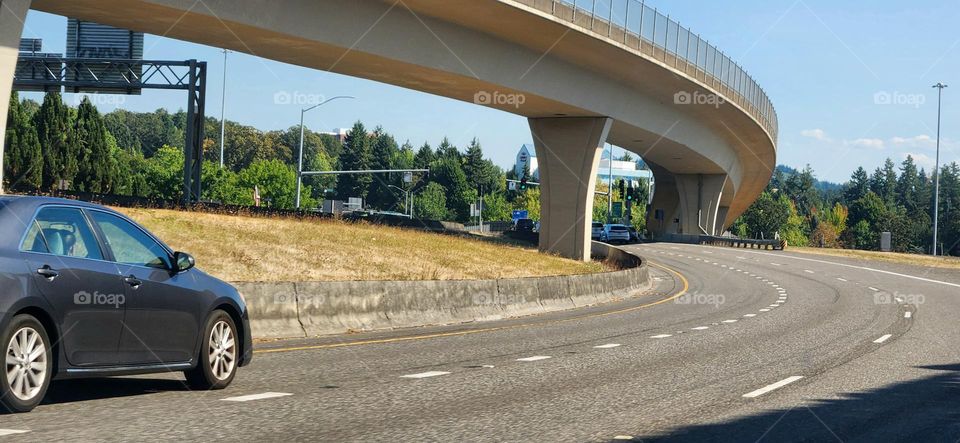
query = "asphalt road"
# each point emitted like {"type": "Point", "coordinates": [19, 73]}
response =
{"type": "Point", "coordinates": [729, 345]}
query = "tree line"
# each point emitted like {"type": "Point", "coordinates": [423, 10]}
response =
{"type": "Point", "coordinates": [52, 145]}
{"type": "Point", "coordinates": [895, 199]}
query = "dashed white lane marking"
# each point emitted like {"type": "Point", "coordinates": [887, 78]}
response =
{"type": "Point", "coordinates": [841, 279]}
{"type": "Point", "coordinates": [253, 397]}
{"type": "Point", "coordinates": [764, 310]}
{"type": "Point", "coordinates": [623, 437]}
{"type": "Point", "coordinates": [749, 315]}
{"type": "Point", "coordinates": [12, 432]}
{"type": "Point", "coordinates": [700, 328]}
{"type": "Point", "coordinates": [534, 358]}
{"type": "Point", "coordinates": [772, 387]}
{"type": "Point", "coordinates": [907, 314]}
{"type": "Point", "coordinates": [661, 336]}
{"type": "Point", "coordinates": [729, 321]}
{"type": "Point", "coordinates": [808, 271]}
{"type": "Point", "coordinates": [425, 374]}
{"type": "Point", "coordinates": [873, 289]}
{"type": "Point", "coordinates": [607, 346]}
{"type": "Point", "coordinates": [775, 264]}
{"type": "Point", "coordinates": [883, 338]}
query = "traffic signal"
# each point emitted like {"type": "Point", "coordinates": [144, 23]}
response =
{"type": "Point", "coordinates": [523, 184]}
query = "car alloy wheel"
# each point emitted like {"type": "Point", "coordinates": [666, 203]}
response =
{"type": "Point", "coordinates": [223, 350]}
{"type": "Point", "coordinates": [26, 364]}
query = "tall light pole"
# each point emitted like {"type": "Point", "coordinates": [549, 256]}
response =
{"type": "Point", "coordinates": [936, 171]}
{"type": "Point", "coordinates": [610, 187]}
{"type": "Point", "coordinates": [223, 106]}
{"type": "Point", "coordinates": [300, 154]}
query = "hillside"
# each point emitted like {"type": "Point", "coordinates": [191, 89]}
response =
{"type": "Point", "coordinates": [240, 248]}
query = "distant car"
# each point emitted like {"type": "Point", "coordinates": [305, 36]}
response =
{"type": "Point", "coordinates": [596, 231]}
{"type": "Point", "coordinates": [615, 233]}
{"type": "Point", "coordinates": [634, 235]}
{"type": "Point", "coordinates": [524, 225]}
{"type": "Point", "coordinates": [89, 293]}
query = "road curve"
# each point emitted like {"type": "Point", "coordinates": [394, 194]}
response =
{"type": "Point", "coordinates": [728, 345]}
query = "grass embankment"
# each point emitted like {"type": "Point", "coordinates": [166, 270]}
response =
{"type": "Point", "coordinates": [891, 257]}
{"type": "Point", "coordinates": [242, 248]}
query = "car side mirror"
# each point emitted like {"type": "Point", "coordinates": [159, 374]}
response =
{"type": "Point", "coordinates": [183, 261]}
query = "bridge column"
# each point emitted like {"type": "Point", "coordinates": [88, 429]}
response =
{"type": "Point", "coordinates": [12, 15]}
{"type": "Point", "coordinates": [699, 202]}
{"type": "Point", "coordinates": [721, 217]}
{"type": "Point", "coordinates": [568, 155]}
{"type": "Point", "coordinates": [664, 208]}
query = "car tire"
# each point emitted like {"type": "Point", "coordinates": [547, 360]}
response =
{"type": "Point", "coordinates": [27, 342]}
{"type": "Point", "coordinates": [219, 356]}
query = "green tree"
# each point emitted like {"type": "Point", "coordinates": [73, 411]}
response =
{"type": "Point", "coordinates": [277, 183]}
{"type": "Point", "coordinates": [93, 172]}
{"type": "Point", "coordinates": [55, 131]}
{"type": "Point", "coordinates": [163, 174]}
{"type": "Point", "coordinates": [858, 187]}
{"type": "Point", "coordinates": [424, 157]}
{"type": "Point", "coordinates": [22, 156]}
{"type": "Point", "coordinates": [431, 202]}
{"type": "Point", "coordinates": [767, 215]}
{"type": "Point", "coordinates": [356, 156]}
{"type": "Point", "coordinates": [384, 149]}
{"type": "Point", "coordinates": [529, 201]}
{"type": "Point", "coordinates": [448, 172]}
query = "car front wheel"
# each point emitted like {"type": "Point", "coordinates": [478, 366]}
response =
{"type": "Point", "coordinates": [28, 365]}
{"type": "Point", "coordinates": [219, 355]}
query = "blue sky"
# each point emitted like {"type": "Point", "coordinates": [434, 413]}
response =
{"type": "Point", "coordinates": [851, 82]}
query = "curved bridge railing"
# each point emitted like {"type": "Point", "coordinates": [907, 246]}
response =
{"type": "Point", "coordinates": [636, 25]}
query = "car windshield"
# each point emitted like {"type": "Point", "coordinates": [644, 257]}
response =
{"type": "Point", "coordinates": [618, 228]}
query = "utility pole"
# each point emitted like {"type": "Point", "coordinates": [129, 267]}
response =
{"type": "Point", "coordinates": [300, 154]}
{"type": "Point", "coordinates": [223, 106]}
{"type": "Point", "coordinates": [610, 186]}
{"type": "Point", "coordinates": [936, 171]}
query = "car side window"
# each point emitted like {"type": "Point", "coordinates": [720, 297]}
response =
{"type": "Point", "coordinates": [62, 231]}
{"type": "Point", "coordinates": [129, 244]}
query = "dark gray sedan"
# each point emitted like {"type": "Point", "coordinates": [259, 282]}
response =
{"type": "Point", "coordinates": [86, 292]}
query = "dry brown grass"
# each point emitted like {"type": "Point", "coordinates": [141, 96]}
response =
{"type": "Point", "coordinates": [242, 248]}
{"type": "Point", "coordinates": [891, 257]}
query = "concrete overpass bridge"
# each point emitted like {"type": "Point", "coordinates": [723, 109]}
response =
{"type": "Point", "coordinates": [602, 71]}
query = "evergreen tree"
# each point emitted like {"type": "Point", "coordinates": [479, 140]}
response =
{"type": "Point", "coordinates": [55, 131]}
{"type": "Point", "coordinates": [858, 187]}
{"type": "Point", "coordinates": [22, 158]}
{"type": "Point", "coordinates": [93, 171]}
{"type": "Point", "coordinates": [908, 186]}
{"type": "Point", "coordinates": [356, 156]}
{"type": "Point", "coordinates": [385, 149]}
{"type": "Point", "coordinates": [424, 157]}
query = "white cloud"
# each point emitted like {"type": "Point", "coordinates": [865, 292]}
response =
{"type": "Point", "coordinates": [919, 141]}
{"type": "Point", "coordinates": [872, 143]}
{"type": "Point", "coordinates": [817, 134]}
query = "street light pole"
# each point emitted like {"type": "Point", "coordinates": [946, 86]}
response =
{"type": "Point", "coordinates": [223, 106]}
{"type": "Point", "coordinates": [936, 171]}
{"type": "Point", "coordinates": [610, 187]}
{"type": "Point", "coordinates": [300, 151]}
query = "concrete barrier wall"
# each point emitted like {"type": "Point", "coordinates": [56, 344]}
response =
{"type": "Point", "coordinates": [307, 309]}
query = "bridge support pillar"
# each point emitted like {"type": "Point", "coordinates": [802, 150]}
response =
{"type": "Point", "coordinates": [664, 209]}
{"type": "Point", "coordinates": [568, 155]}
{"type": "Point", "coordinates": [700, 202]}
{"type": "Point", "coordinates": [721, 218]}
{"type": "Point", "coordinates": [12, 15]}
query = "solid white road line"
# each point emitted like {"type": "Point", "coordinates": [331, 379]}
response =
{"type": "Point", "coordinates": [661, 336]}
{"type": "Point", "coordinates": [607, 346]}
{"type": "Point", "coordinates": [700, 328]}
{"type": "Point", "coordinates": [907, 314]}
{"type": "Point", "coordinates": [534, 358]}
{"type": "Point", "coordinates": [772, 387]}
{"type": "Point", "coordinates": [253, 397]}
{"type": "Point", "coordinates": [883, 338]}
{"type": "Point", "coordinates": [841, 279]}
{"type": "Point", "coordinates": [11, 432]}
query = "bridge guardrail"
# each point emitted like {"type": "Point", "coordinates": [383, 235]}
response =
{"type": "Point", "coordinates": [736, 242]}
{"type": "Point", "coordinates": [640, 27]}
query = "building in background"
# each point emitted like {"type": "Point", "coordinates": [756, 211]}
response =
{"type": "Point", "coordinates": [337, 133]}
{"type": "Point", "coordinates": [627, 170]}
{"type": "Point", "coordinates": [527, 157]}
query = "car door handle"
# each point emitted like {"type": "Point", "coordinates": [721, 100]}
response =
{"type": "Point", "coordinates": [49, 273]}
{"type": "Point", "coordinates": [133, 282]}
